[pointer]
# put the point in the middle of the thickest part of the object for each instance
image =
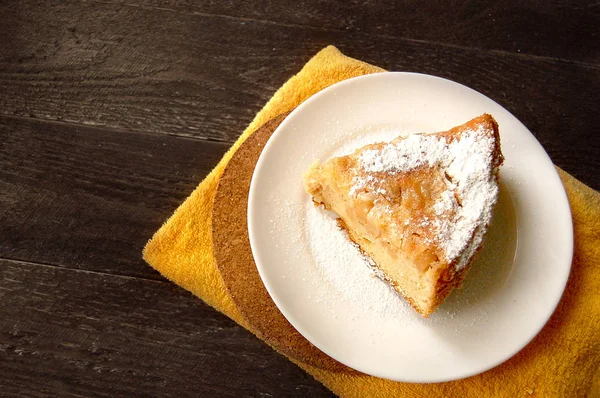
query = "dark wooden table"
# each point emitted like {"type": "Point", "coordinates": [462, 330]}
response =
{"type": "Point", "coordinates": [112, 111]}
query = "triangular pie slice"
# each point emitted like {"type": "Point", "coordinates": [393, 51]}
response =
{"type": "Point", "coordinates": [418, 206]}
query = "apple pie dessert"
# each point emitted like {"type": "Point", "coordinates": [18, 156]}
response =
{"type": "Point", "coordinates": [418, 206]}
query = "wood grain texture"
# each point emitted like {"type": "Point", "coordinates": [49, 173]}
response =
{"type": "Point", "coordinates": [75, 333]}
{"type": "Point", "coordinates": [88, 198]}
{"type": "Point", "coordinates": [551, 28]}
{"type": "Point", "coordinates": [194, 74]}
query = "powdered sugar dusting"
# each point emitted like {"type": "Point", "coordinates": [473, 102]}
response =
{"type": "Point", "coordinates": [410, 153]}
{"type": "Point", "coordinates": [347, 270]}
{"type": "Point", "coordinates": [445, 203]}
{"type": "Point", "coordinates": [467, 162]}
{"type": "Point", "coordinates": [471, 171]}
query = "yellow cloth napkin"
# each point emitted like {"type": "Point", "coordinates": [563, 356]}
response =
{"type": "Point", "coordinates": [562, 361]}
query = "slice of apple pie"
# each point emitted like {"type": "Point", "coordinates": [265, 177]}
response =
{"type": "Point", "coordinates": [418, 206]}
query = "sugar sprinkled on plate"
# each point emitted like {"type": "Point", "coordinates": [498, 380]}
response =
{"type": "Point", "coordinates": [346, 269]}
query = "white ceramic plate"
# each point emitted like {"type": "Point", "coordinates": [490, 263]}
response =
{"type": "Point", "coordinates": [512, 288]}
